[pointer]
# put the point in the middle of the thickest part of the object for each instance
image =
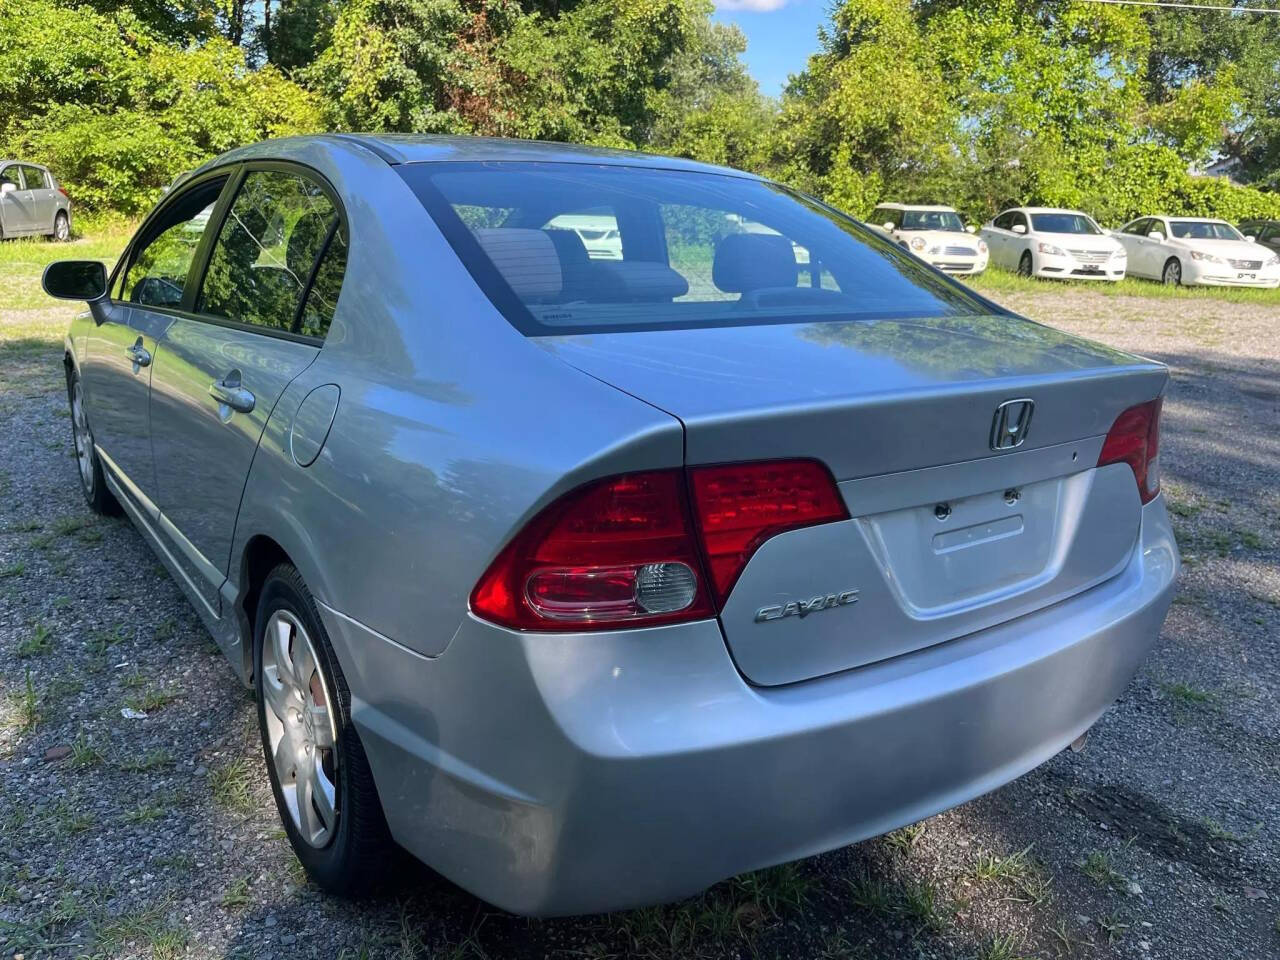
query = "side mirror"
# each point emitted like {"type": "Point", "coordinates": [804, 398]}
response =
{"type": "Point", "coordinates": [8, 187]}
{"type": "Point", "coordinates": [1156, 235]}
{"type": "Point", "coordinates": [971, 229]}
{"type": "Point", "coordinates": [888, 226]}
{"type": "Point", "coordinates": [75, 280]}
{"type": "Point", "coordinates": [1019, 228]}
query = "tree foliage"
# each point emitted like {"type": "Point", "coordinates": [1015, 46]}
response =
{"type": "Point", "coordinates": [979, 103]}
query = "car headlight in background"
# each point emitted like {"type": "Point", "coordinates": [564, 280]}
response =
{"type": "Point", "coordinates": [1206, 257]}
{"type": "Point", "coordinates": [1273, 262]}
{"type": "Point", "coordinates": [982, 246]}
{"type": "Point", "coordinates": [1050, 249]}
{"type": "Point", "coordinates": [917, 244]}
{"type": "Point", "coordinates": [1121, 254]}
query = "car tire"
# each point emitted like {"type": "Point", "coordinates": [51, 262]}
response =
{"type": "Point", "coordinates": [1171, 275]}
{"type": "Point", "coordinates": [317, 766]}
{"type": "Point", "coordinates": [92, 482]}
{"type": "Point", "coordinates": [1026, 267]}
{"type": "Point", "coordinates": [62, 227]}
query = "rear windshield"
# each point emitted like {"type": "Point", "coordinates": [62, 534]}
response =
{"type": "Point", "coordinates": [1063, 223]}
{"type": "Point", "coordinates": [1200, 230]}
{"type": "Point", "coordinates": [582, 248]}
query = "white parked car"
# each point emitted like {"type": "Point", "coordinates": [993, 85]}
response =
{"type": "Point", "coordinates": [935, 234]}
{"type": "Point", "coordinates": [1195, 250]}
{"type": "Point", "coordinates": [1044, 242]}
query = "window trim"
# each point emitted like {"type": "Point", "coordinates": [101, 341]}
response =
{"type": "Point", "coordinates": [235, 174]}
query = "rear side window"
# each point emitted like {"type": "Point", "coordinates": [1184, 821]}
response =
{"type": "Point", "coordinates": [267, 250]}
{"type": "Point", "coordinates": [579, 248]}
{"type": "Point", "coordinates": [322, 298]}
{"type": "Point", "coordinates": [34, 177]}
{"type": "Point", "coordinates": [162, 257]}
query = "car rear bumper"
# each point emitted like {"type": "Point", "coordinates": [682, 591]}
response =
{"type": "Point", "coordinates": [583, 773]}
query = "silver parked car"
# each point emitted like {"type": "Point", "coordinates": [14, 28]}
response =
{"type": "Point", "coordinates": [32, 202]}
{"type": "Point", "coordinates": [592, 582]}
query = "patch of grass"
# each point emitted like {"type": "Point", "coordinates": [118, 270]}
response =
{"type": "Point", "coordinates": [38, 643]}
{"type": "Point", "coordinates": [1001, 948]}
{"type": "Point", "coordinates": [13, 570]}
{"type": "Point", "coordinates": [905, 840]}
{"type": "Point", "coordinates": [154, 698]}
{"type": "Point", "coordinates": [100, 641]}
{"type": "Point", "coordinates": [996, 280]}
{"type": "Point", "coordinates": [1114, 927]}
{"type": "Point", "coordinates": [871, 894]}
{"type": "Point", "coordinates": [180, 862]}
{"type": "Point", "coordinates": [236, 895]}
{"type": "Point", "coordinates": [73, 523]}
{"type": "Point", "coordinates": [922, 906]}
{"type": "Point", "coordinates": [232, 786]}
{"type": "Point", "coordinates": [65, 819]}
{"type": "Point", "coordinates": [988, 866]}
{"type": "Point", "coordinates": [166, 629]}
{"type": "Point", "coordinates": [84, 754]}
{"type": "Point", "coordinates": [26, 706]}
{"type": "Point", "coordinates": [147, 928]}
{"type": "Point", "coordinates": [151, 760]}
{"type": "Point", "coordinates": [1099, 866]}
{"type": "Point", "coordinates": [145, 812]}
{"type": "Point", "coordinates": [1186, 695]}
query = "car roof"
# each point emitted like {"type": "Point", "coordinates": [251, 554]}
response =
{"type": "Point", "coordinates": [1170, 216]}
{"type": "Point", "coordinates": [25, 163]}
{"type": "Point", "coordinates": [940, 208]}
{"type": "Point", "coordinates": [397, 148]}
{"type": "Point", "coordinates": [1046, 210]}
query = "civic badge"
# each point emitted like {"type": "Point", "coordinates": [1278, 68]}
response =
{"type": "Point", "coordinates": [1011, 423]}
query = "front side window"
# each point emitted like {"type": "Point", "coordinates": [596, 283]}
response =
{"type": "Point", "coordinates": [34, 177]}
{"type": "Point", "coordinates": [944, 220]}
{"type": "Point", "coordinates": [1064, 223]}
{"type": "Point", "coordinates": [1139, 228]}
{"type": "Point", "coordinates": [694, 250]}
{"type": "Point", "coordinates": [162, 257]}
{"type": "Point", "coordinates": [10, 175]}
{"type": "Point", "coordinates": [1204, 230]}
{"type": "Point", "coordinates": [266, 251]}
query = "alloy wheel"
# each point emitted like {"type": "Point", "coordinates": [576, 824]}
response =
{"type": "Point", "coordinates": [300, 728]}
{"type": "Point", "coordinates": [83, 437]}
{"type": "Point", "coordinates": [1173, 274]}
{"type": "Point", "coordinates": [62, 227]}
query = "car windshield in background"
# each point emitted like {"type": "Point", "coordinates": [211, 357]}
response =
{"type": "Point", "coordinates": [1063, 223]}
{"type": "Point", "coordinates": [581, 248]}
{"type": "Point", "coordinates": [931, 220]}
{"type": "Point", "coordinates": [1200, 230]}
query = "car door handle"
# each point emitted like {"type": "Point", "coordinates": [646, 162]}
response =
{"type": "Point", "coordinates": [231, 392]}
{"type": "Point", "coordinates": [139, 354]}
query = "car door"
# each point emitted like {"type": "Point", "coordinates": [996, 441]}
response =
{"type": "Point", "coordinates": [242, 336]}
{"type": "Point", "coordinates": [41, 197]}
{"type": "Point", "coordinates": [15, 205]}
{"type": "Point", "coordinates": [116, 368]}
{"type": "Point", "coordinates": [995, 235]}
{"type": "Point", "coordinates": [1133, 237]}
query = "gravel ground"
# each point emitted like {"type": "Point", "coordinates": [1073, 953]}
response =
{"type": "Point", "coordinates": [155, 835]}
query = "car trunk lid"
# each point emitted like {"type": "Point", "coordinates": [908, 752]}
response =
{"type": "Point", "coordinates": [946, 535]}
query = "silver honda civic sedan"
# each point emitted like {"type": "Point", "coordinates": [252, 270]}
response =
{"type": "Point", "coordinates": [591, 579]}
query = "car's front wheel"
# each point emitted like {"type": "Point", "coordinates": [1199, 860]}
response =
{"type": "Point", "coordinates": [92, 483]}
{"type": "Point", "coordinates": [318, 769]}
{"type": "Point", "coordinates": [1172, 275]}
{"type": "Point", "coordinates": [1025, 266]}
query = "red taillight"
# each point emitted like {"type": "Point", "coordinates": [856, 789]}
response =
{"type": "Point", "coordinates": [628, 551]}
{"type": "Point", "coordinates": [617, 552]}
{"type": "Point", "coordinates": [741, 505]}
{"type": "Point", "coordinates": [63, 190]}
{"type": "Point", "coordinates": [1135, 439]}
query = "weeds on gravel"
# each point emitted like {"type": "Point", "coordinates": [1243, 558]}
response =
{"type": "Point", "coordinates": [84, 754]}
{"type": "Point", "coordinates": [1186, 695]}
{"type": "Point", "coordinates": [1001, 948]}
{"type": "Point", "coordinates": [1099, 866]}
{"type": "Point", "coordinates": [146, 928]}
{"type": "Point", "coordinates": [13, 570]}
{"type": "Point", "coordinates": [26, 706]}
{"type": "Point", "coordinates": [40, 642]}
{"type": "Point", "coordinates": [152, 759]}
{"type": "Point", "coordinates": [100, 641]}
{"type": "Point", "coordinates": [146, 812]}
{"type": "Point", "coordinates": [152, 699]}
{"type": "Point", "coordinates": [236, 895]}
{"type": "Point", "coordinates": [905, 840]}
{"type": "Point", "coordinates": [1114, 927]}
{"type": "Point", "coordinates": [231, 786]}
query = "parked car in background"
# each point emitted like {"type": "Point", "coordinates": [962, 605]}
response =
{"type": "Point", "coordinates": [588, 585]}
{"type": "Point", "coordinates": [1053, 243]}
{"type": "Point", "coordinates": [935, 234]}
{"type": "Point", "coordinates": [1197, 251]}
{"type": "Point", "coordinates": [598, 232]}
{"type": "Point", "coordinates": [1265, 232]}
{"type": "Point", "coordinates": [32, 202]}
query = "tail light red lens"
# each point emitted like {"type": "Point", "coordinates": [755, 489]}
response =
{"type": "Point", "coordinates": [617, 552]}
{"type": "Point", "coordinates": [63, 190]}
{"type": "Point", "coordinates": [1135, 439]}
{"type": "Point", "coordinates": [740, 506]}
{"type": "Point", "coordinates": [628, 550]}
